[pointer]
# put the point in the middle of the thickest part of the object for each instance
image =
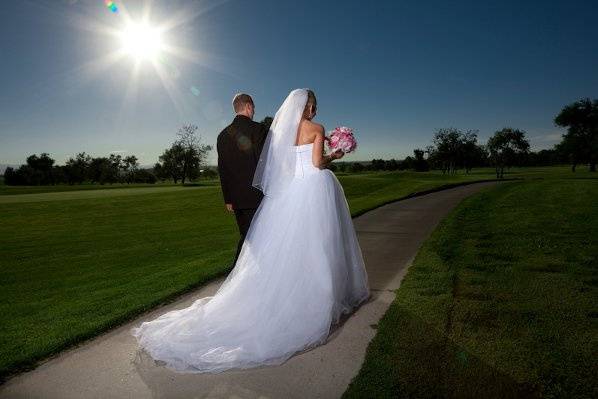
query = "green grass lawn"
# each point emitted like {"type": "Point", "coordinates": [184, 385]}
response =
{"type": "Point", "coordinates": [501, 301]}
{"type": "Point", "coordinates": [76, 263]}
{"type": "Point", "coordinates": [73, 268]}
{"type": "Point", "coordinates": [14, 190]}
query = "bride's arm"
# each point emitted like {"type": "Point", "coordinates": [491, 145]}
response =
{"type": "Point", "coordinates": [319, 159]}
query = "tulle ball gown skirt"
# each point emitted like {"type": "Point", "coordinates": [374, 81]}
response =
{"type": "Point", "coordinates": [299, 270]}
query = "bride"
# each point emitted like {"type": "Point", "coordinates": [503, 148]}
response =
{"type": "Point", "coordinates": [300, 267]}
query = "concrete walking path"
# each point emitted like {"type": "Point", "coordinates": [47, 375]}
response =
{"type": "Point", "coordinates": [110, 366]}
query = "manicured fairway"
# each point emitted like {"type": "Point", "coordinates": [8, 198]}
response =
{"type": "Point", "coordinates": [501, 301]}
{"type": "Point", "coordinates": [14, 190]}
{"type": "Point", "coordinates": [75, 267]}
{"type": "Point", "coordinates": [75, 263]}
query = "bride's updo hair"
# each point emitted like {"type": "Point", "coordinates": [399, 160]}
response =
{"type": "Point", "coordinates": [310, 107]}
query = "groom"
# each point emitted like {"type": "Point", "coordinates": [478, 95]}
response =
{"type": "Point", "coordinates": [239, 146]}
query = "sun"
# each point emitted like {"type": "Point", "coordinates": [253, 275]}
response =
{"type": "Point", "coordinates": [145, 41]}
{"type": "Point", "coordinates": [141, 41]}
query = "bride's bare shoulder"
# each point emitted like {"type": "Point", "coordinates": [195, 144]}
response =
{"type": "Point", "coordinates": [310, 131]}
{"type": "Point", "coordinates": [312, 126]}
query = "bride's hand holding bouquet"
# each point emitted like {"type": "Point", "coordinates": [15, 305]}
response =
{"type": "Point", "coordinates": [341, 141]}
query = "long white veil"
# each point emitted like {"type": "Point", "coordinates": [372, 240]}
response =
{"type": "Point", "coordinates": [276, 166]}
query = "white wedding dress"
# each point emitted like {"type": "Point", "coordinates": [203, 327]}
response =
{"type": "Point", "coordinates": [298, 271]}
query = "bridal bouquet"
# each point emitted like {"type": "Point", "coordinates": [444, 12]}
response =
{"type": "Point", "coordinates": [342, 139]}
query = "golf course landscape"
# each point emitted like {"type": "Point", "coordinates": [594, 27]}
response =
{"type": "Point", "coordinates": [502, 295]}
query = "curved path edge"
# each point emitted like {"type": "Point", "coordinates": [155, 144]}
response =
{"type": "Point", "coordinates": [110, 366]}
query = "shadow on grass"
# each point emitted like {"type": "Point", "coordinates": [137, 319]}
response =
{"type": "Point", "coordinates": [198, 184]}
{"type": "Point", "coordinates": [203, 183]}
{"type": "Point", "coordinates": [422, 362]}
{"type": "Point", "coordinates": [583, 177]}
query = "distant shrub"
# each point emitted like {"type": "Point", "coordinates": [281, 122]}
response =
{"type": "Point", "coordinates": [209, 173]}
{"type": "Point", "coordinates": [144, 176]}
{"type": "Point", "coordinates": [356, 167]}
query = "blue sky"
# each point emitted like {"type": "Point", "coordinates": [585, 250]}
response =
{"type": "Point", "coordinates": [395, 71]}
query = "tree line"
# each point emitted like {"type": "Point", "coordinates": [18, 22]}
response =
{"type": "Point", "coordinates": [451, 150]}
{"type": "Point", "coordinates": [41, 170]}
{"type": "Point", "coordinates": [182, 160]}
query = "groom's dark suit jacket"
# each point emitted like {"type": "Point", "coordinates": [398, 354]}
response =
{"type": "Point", "coordinates": [239, 146]}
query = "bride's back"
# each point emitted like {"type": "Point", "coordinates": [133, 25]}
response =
{"type": "Point", "coordinates": [308, 130]}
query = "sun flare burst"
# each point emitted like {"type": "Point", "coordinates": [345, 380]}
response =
{"type": "Point", "coordinates": [142, 41]}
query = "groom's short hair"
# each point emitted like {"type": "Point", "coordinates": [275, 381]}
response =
{"type": "Point", "coordinates": [240, 100]}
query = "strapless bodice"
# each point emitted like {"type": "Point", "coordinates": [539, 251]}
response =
{"type": "Point", "coordinates": [304, 165]}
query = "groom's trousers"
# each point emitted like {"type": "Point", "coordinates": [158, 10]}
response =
{"type": "Point", "coordinates": [244, 217]}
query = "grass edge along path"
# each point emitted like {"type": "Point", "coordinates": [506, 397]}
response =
{"type": "Point", "coordinates": [414, 194]}
{"type": "Point", "coordinates": [499, 301]}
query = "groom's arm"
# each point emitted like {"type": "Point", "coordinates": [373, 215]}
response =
{"type": "Point", "coordinates": [259, 139]}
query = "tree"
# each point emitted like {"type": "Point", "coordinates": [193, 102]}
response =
{"type": "Point", "coordinates": [43, 166]}
{"type": "Point", "coordinates": [570, 150]}
{"type": "Point", "coordinates": [172, 162]}
{"type": "Point", "coordinates": [129, 166]}
{"type": "Point", "coordinates": [378, 164]}
{"type": "Point", "coordinates": [342, 166]}
{"type": "Point", "coordinates": [381, 164]}
{"type": "Point", "coordinates": [39, 170]}
{"type": "Point", "coordinates": [267, 121]}
{"type": "Point", "coordinates": [420, 164]}
{"type": "Point", "coordinates": [143, 176]}
{"type": "Point", "coordinates": [193, 152]}
{"type": "Point", "coordinates": [469, 153]}
{"type": "Point", "coordinates": [160, 172]}
{"type": "Point", "coordinates": [581, 140]}
{"type": "Point", "coordinates": [480, 156]}
{"type": "Point", "coordinates": [104, 170]}
{"type": "Point", "coordinates": [452, 149]}
{"type": "Point", "coordinates": [10, 177]}
{"type": "Point", "coordinates": [543, 158]}
{"type": "Point", "coordinates": [58, 175]}
{"type": "Point", "coordinates": [77, 169]}
{"type": "Point", "coordinates": [356, 167]}
{"type": "Point", "coordinates": [406, 163]}
{"type": "Point", "coordinates": [25, 175]}
{"type": "Point", "coordinates": [506, 148]}
{"type": "Point", "coordinates": [447, 142]}
{"type": "Point", "coordinates": [184, 158]}
{"type": "Point", "coordinates": [116, 161]}
{"type": "Point", "coordinates": [209, 173]}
